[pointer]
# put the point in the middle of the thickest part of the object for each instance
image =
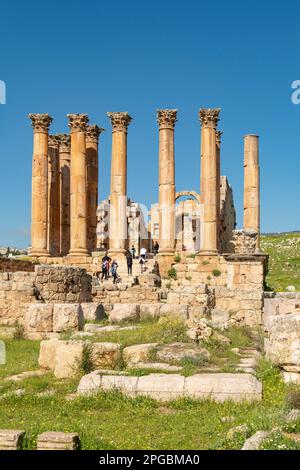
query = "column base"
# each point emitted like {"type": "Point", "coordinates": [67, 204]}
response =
{"type": "Point", "coordinates": [78, 252]}
{"type": "Point", "coordinates": [35, 253]}
{"type": "Point", "coordinates": [208, 253]}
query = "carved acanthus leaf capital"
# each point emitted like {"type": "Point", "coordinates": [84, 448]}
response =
{"type": "Point", "coordinates": [119, 121]}
{"type": "Point", "coordinates": [53, 141]}
{"type": "Point", "coordinates": [40, 122]}
{"type": "Point", "coordinates": [166, 118]}
{"type": "Point", "coordinates": [64, 142]}
{"type": "Point", "coordinates": [209, 117]}
{"type": "Point", "coordinates": [77, 122]}
{"type": "Point", "coordinates": [92, 133]}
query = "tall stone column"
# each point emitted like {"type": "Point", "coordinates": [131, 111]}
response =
{"type": "Point", "coordinates": [64, 164]}
{"type": "Point", "coordinates": [251, 185]}
{"type": "Point", "coordinates": [166, 119]}
{"type": "Point", "coordinates": [78, 186]}
{"type": "Point", "coordinates": [92, 137]}
{"type": "Point", "coordinates": [118, 184]}
{"type": "Point", "coordinates": [53, 196]}
{"type": "Point", "coordinates": [218, 157]}
{"type": "Point", "coordinates": [39, 211]}
{"type": "Point", "coordinates": [209, 119]}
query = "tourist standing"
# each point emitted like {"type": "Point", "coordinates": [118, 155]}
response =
{"type": "Point", "coordinates": [114, 270]}
{"type": "Point", "coordinates": [156, 248]}
{"type": "Point", "coordinates": [133, 251]}
{"type": "Point", "coordinates": [142, 263]}
{"type": "Point", "coordinates": [143, 253]}
{"type": "Point", "coordinates": [129, 261]}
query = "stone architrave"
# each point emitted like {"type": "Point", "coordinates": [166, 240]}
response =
{"type": "Point", "coordinates": [251, 185]}
{"type": "Point", "coordinates": [53, 196]}
{"type": "Point", "coordinates": [92, 137]}
{"type": "Point", "coordinates": [209, 168]}
{"type": "Point", "coordinates": [39, 211]}
{"type": "Point", "coordinates": [64, 164]}
{"type": "Point", "coordinates": [118, 184]}
{"type": "Point", "coordinates": [78, 185]}
{"type": "Point", "coordinates": [166, 119]}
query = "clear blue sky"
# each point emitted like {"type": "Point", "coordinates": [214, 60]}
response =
{"type": "Point", "coordinates": [137, 56]}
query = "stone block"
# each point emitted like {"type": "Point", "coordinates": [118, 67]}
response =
{"type": "Point", "coordinates": [254, 442]}
{"type": "Point", "coordinates": [11, 439]}
{"type": "Point", "coordinates": [39, 318]}
{"type": "Point", "coordinates": [67, 359]}
{"type": "Point", "coordinates": [284, 339]}
{"type": "Point", "coordinates": [138, 353]}
{"type": "Point", "coordinates": [105, 354]}
{"type": "Point", "coordinates": [174, 310]}
{"type": "Point", "coordinates": [124, 312]}
{"type": "Point", "coordinates": [47, 356]}
{"type": "Point", "coordinates": [177, 352]}
{"type": "Point", "coordinates": [163, 387]}
{"type": "Point", "coordinates": [219, 318]}
{"type": "Point", "coordinates": [149, 311]}
{"type": "Point", "coordinates": [58, 441]}
{"type": "Point", "coordinates": [224, 386]}
{"type": "Point", "coordinates": [67, 317]}
{"type": "Point", "coordinates": [92, 311]}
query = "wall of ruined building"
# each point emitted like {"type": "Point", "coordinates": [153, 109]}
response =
{"type": "Point", "coordinates": [16, 291]}
{"type": "Point", "coordinates": [15, 265]}
{"type": "Point", "coordinates": [48, 284]}
{"type": "Point", "coordinates": [227, 216]}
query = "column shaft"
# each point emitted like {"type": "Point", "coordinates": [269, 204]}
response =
{"type": "Point", "coordinates": [39, 213]}
{"type": "Point", "coordinates": [53, 197]}
{"type": "Point", "coordinates": [92, 136]}
{"type": "Point", "coordinates": [209, 119]}
{"type": "Point", "coordinates": [118, 184]}
{"type": "Point", "coordinates": [166, 119]}
{"type": "Point", "coordinates": [77, 123]}
{"type": "Point", "coordinates": [64, 164]}
{"type": "Point", "coordinates": [251, 184]}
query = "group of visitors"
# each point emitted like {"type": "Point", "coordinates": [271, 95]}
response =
{"type": "Point", "coordinates": [111, 267]}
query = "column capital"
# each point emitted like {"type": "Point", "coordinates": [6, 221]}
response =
{"type": "Point", "coordinates": [77, 122]}
{"type": "Point", "coordinates": [209, 117]}
{"type": "Point", "coordinates": [53, 141]}
{"type": "Point", "coordinates": [119, 121]}
{"type": "Point", "coordinates": [40, 122]}
{"type": "Point", "coordinates": [166, 118]}
{"type": "Point", "coordinates": [92, 133]}
{"type": "Point", "coordinates": [218, 136]}
{"type": "Point", "coordinates": [64, 142]}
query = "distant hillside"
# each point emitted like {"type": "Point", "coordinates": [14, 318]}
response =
{"type": "Point", "coordinates": [284, 261]}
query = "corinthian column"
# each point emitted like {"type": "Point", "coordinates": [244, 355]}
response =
{"type": "Point", "coordinates": [77, 124]}
{"type": "Point", "coordinates": [166, 119]}
{"type": "Point", "coordinates": [251, 185]}
{"type": "Point", "coordinates": [39, 212]}
{"type": "Point", "coordinates": [64, 164]}
{"type": "Point", "coordinates": [218, 158]}
{"type": "Point", "coordinates": [53, 196]}
{"type": "Point", "coordinates": [209, 119]}
{"type": "Point", "coordinates": [118, 184]}
{"type": "Point", "coordinates": [91, 138]}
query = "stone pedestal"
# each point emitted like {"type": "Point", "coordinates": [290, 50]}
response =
{"type": "Point", "coordinates": [92, 136]}
{"type": "Point", "coordinates": [77, 124]}
{"type": "Point", "coordinates": [166, 119]}
{"type": "Point", "coordinates": [251, 185]}
{"type": "Point", "coordinates": [118, 184]}
{"type": "Point", "coordinates": [39, 213]}
{"type": "Point", "coordinates": [53, 196]}
{"type": "Point", "coordinates": [209, 168]}
{"type": "Point", "coordinates": [64, 164]}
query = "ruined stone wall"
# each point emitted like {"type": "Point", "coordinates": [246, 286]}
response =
{"type": "Point", "coordinates": [16, 291]}
{"type": "Point", "coordinates": [15, 265]}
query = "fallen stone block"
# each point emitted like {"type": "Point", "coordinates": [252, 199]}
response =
{"type": "Point", "coordinates": [174, 310]}
{"type": "Point", "coordinates": [149, 311]}
{"type": "Point", "coordinates": [58, 441]}
{"type": "Point", "coordinates": [47, 356]}
{"type": "Point", "coordinates": [138, 353]}
{"type": "Point", "coordinates": [124, 312]}
{"type": "Point", "coordinates": [254, 442]}
{"type": "Point", "coordinates": [67, 317]}
{"type": "Point", "coordinates": [177, 352]}
{"type": "Point", "coordinates": [293, 415]}
{"type": "Point", "coordinates": [163, 387]}
{"type": "Point", "coordinates": [11, 439]}
{"type": "Point", "coordinates": [224, 386]}
{"type": "Point", "coordinates": [105, 354]}
{"type": "Point", "coordinates": [219, 318]}
{"type": "Point", "coordinates": [92, 311]}
{"type": "Point", "coordinates": [39, 318]}
{"type": "Point", "coordinates": [67, 358]}
{"type": "Point", "coordinates": [155, 366]}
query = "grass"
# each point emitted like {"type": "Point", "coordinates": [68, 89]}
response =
{"type": "Point", "coordinates": [112, 421]}
{"type": "Point", "coordinates": [284, 260]}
